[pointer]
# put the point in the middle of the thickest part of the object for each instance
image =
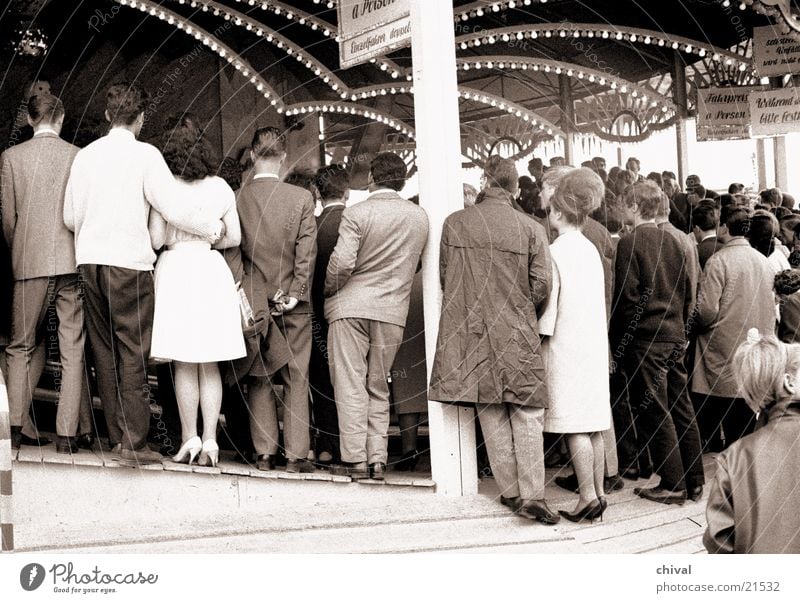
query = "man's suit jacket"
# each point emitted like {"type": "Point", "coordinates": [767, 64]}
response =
{"type": "Point", "coordinates": [279, 241]}
{"type": "Point", "coordinates": [34, 178]}
{"type": "Point", "coordinates": [327, 236]}
{"type": "Point", "coordinates": [372, 268]}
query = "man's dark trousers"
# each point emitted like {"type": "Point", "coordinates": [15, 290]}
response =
{"type": "Point", "coordinates": [119, 308]}
{"type": "Point", "coordinates": [665, 417]}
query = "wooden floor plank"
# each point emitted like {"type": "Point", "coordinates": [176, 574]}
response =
{"type": "Point", "coordinates": [30, 454]}
{"type": "Point", "coordinates": [49, 455]}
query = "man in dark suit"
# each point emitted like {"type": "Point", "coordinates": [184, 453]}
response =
{"type": "Point", "coordinates": [704, 225]}
{"type": "Point", "coordinates": [34, 178]}
{"type": "Point", "coordinates": [279, 243]}
{"type": "Point", "coordinates": [367, 290]}
{"type": "Point", "coordinates": [333, 186]}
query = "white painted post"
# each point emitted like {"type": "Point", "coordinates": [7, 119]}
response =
{"type": "Point", "coordinates": [781, 171]}
{"type": "Point", "coordinates": [6, 498]}
{"type": "Point", "coordinates": [452, 431]}
{"type": "Point", "coordinates": [761, 160]}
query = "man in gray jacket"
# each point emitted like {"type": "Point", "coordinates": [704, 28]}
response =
{"type": "Point", "coordinates": [367, 290]}
{"type": "Point", "coordinates": [34, 177]}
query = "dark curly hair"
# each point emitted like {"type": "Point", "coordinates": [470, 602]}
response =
{"type": "Point", "coordinates": [187, 153]}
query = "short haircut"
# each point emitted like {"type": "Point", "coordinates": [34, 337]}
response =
{"type": "Point", "coordinates": [631, 161]}
{"type": "Point", "coordinates": [610, 217]}
{"type": "Point", "coordinates": [389, 171]}
{"type": "Point", "coordinates": [699, 190]}
{"type": "Point", "coordinates": [705, 217]}
{"type": "Point", "coordinates": [45, 108]}
{"type": "Point", "coordinates": [554, 175]}
{"type": "Point", "coordinates": [332, 182]}
{"type": "Point", "coordinates": [598, 160]}
{"type": "Point", "coordinates": [557, 161]}
{"type": "Point", "coordinates": [671, 175]}
{"type": "Point", "coordinates": [735, 187]}
{"type": "Point", "coordinates": [771, 197]}
{"type": "Point", "coordinates": [536, 164]}
{"type": "Point", "coordinates": [760, 364]}
{"type": "Point", "coordinates": [525, 182]}
{"type": "Point", "coordinates": [577, 195]}
{"type": "Point", "coordinates": [470, 194]}
{"type": "Point", "coordinates": [788, 201]}
{"type": "Point", "coordinates": [186, 151]}
{"type": "Point", "coordinates": [646, 196]}
{"type": "Point", "coordinates": [737, 220]}
{"type": "Point", "coordinates": [125, 102]}
{"type": "Point", "coordinates": [503, 173]}
{"type": "Point", "coordinates": [657, 178]}
{"type": "Point", "coordinates": [268, 143]}
{"type": "Point", "coordinates": [301, 178]}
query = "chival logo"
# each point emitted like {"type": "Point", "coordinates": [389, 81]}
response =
{"type": "Point", "coordinates": [67, 580]}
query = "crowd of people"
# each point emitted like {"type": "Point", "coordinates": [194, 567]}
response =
{"type": "Point", "coordinates": [611, 318]}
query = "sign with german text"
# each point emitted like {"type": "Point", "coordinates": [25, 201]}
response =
{"type": "Point", "coordinates": [775, 112]}
{"type": "Point", "coordinates": [371, 28]}
{"type": "Point", "coordinates": [723, 113]}
{"type": "Point", "coordinates": [774, 53]}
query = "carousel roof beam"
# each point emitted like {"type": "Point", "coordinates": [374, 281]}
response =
{"type": "Point", "coordinates": [273, 37]}
{"type": "Point", "coordinates": [487, 7]}
{"type": "Point", "coordinates": [290, 12]}
{"type": "Point", "coordinates": [567, 30]}
{"type": "Point", "coordinates": [302, 18]}
{"type": "Point", "coordinates": [470, 94]}
{"type": "Point", "coordinates": [347, 108]}
{"type": "Point", "coordinates": [574, 71]}
{"type": "Point", "coordinates": [212, 42]}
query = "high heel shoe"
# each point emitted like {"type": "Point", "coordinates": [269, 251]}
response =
{"type": "Point", "coordinates": [189, 451]}
{"type": "Point", "coordinates": [603, 505]}
{"type": "Point", "coordinates": [591, 512]}
{"type": "Point", "coordinates": [209, 457]}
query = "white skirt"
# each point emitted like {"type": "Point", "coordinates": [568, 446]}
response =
{"type": "Point", "coordinates": [196, 316]}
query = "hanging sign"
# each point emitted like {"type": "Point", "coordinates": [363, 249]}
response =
{"type": "Point", "coordinates": [371, 28]}
{"type": "Point", "coordinates": [775, 112]}
{"type": "Point", "coordinates": [775, 54]}
{"type": "Point", "coordinates": [723, 113]}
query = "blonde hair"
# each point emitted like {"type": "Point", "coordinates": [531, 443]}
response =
{"type": "Point", "coordinates": [579, 193]}
{"type": "Point", "coordinates": [761, 364]}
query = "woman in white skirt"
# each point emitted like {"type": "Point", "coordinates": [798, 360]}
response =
{"type": "Point", "coordinates": [197, 321]}
{"type": "Point", "coordinates": [576, 351]}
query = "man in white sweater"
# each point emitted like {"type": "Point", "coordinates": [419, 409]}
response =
{"type": "Point", "coordinates": [113, 184]}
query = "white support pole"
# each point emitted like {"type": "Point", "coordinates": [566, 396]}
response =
{"type": "Point", "coordinates": [761, 161]}
{"type": "Point", "coordinates": [452, 431]}
{"type": "Point", "coordinates": [781, 172]}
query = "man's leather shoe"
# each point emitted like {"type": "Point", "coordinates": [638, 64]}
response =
{"type": "Point", "coordinates": [662, 495]}
{"type": "Point", "coordinates": [538, 510]}
{"type": "Point", "coordinates": [143, 456]}
{"type": "Point", "coordinates": [377, 471]}
{"type": "Point", "coordinates": [265, 462]}
{"type": "Point", "coordinates": [355, 471]}
{"type": "Point", "coordinates": [513, 503]}
{"type": "Point", "coordinates": [85, 441]}
{"type": "Point", "coordinates": [66, 445]}
{"type": "Point", "coordinates": [630, 473]}
{"type": "Point", "coordinates": [299, 466]}
{"type": "Point", "coordinates": [612, 483]}
{"type": "Point", "coordinates": [20, 439]}
{"type": "Point", "coordinates": [568, 482]}
{"type": "Point", "coordinates": [695, 493]}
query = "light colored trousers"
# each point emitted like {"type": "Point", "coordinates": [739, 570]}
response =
{"type": "Point", "coordinates": [515, 445]}
{"type": "Point", "coordinates": [32, 320]}
{"type": "Point", "coordinates": [362, 352]}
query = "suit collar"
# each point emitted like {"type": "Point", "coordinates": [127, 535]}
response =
{"type": "Point", "coordinates": [384, 193]}
{"type": "Point", "coordinates": [738, 242]}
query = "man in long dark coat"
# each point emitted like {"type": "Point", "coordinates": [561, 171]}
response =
{"type": "Point", "coordinates": [496, 274]}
